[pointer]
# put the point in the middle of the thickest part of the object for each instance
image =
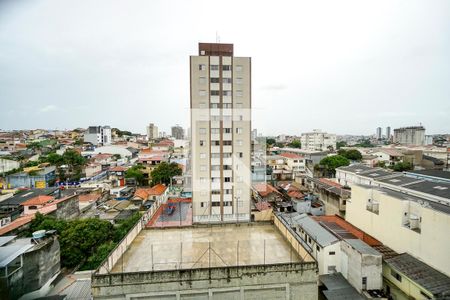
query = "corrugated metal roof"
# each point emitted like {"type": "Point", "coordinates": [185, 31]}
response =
{"type": "Point", "coordinates": [362, 247]}
{"type": "Point", "coordinates": [431, 279]}
{"type": "Point", "coordinates": [338, 288]}
{"type": "Point", "coordinates": [314, 230]}
{"type": "Point", "coordinates": [79, 290]}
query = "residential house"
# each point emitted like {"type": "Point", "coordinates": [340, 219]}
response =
{"type": "Point", "coordinates": [92, 169]}
{"type": "Point", "coordinates": [28, 265]}
{"type": "Point", "coordinates": [158, 192]}
{"type": "Point", "coordinates": [295, 163]}
{"type": "Point", "coordinates": [332, 194]}
{"type": "Point", "coordinates": [7, 165]}
{"type": "Point", "coordinates": [117, 175]}
{"type": "Point", "coordinates": [36, 178]}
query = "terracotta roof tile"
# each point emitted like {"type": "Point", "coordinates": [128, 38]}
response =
{"type": "Point", "coordinates": [291, 155]}
{"type": "Point", "coordinates": [38, 200]}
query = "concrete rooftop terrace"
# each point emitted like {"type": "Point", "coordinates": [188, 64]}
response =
{"type": "Point", "coordinates": [203, 247]}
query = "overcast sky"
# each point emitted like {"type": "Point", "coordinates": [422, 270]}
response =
{"type": "Point", "coordinates": [342, 66]}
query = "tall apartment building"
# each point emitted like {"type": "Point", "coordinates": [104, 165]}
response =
{"type": "Point", "coordinates": [152, 131]}
{"type": "Point", "coordinates": [177, 132]}
{"type": "Point", "coordinates": [98, 135]}
{"type": "Point", "coordinates": [388, 133]}
{"type": "Point", "coordinates": [414, 135]}
{"type": "Point", "coordinates": [318, 141]}
{"type": "Point", "coordinates": [220, 134]}
{"type": "Point", "coordinates": [379, 136]}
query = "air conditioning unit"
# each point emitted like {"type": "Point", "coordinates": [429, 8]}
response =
{"type": "Point", "coordinates": [414, 221]}
{"type": "Point", "coordinates": [375, 206]}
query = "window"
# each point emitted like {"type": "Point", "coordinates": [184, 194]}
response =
{"type": "Point", "coordinates": [227, 130]}
{"type": "Point", "coordinates": [202, 93]}
{"type": "Point", "coordinates": [203, 179]}
{"type": "Point", "coordinates": [226, 80]}
{"type": "Point", "coordinates": [239, 80]}
{"type": "Point", "coordinates": [240, 154]}
{"type": "Point", "coordinates": [202, 143]}
{"type": "Point", "coordinates": [309, 240]}
{"type": "Point", "coordinates": [227, 203]}
{"type": "Point", "coordinates": [201, 67]}
{"type": "Point", "coordinates": [239, 68]}
{"type": "Point", "coordinates": [228, 191]}
{"type": "Point", "coordinates": [215, 192]}
{"type": "Point", "coordinates": [226, 68]}
{"type": "Point", "coordinates": [318, 248]}
{"type": "Point", "coordinates": [214, 67]}
{"type": "Point", "coordinates": [214, 105]}
{"type": "Point", "coordinates": [396, 275]}
{"type": "Point", "coordinates": [202, 155]}
{"type": "Point", "coordinates": [227, 143]}
{"type": "Point", "coordinates": [32, 207]}
{"type": "Point", "coordinates": [202, 131]}
{"type": "Point", "coordinates": [215, 203]}
{"type": "Point", "coordinates": [239, 93]}
{"type": "Point", "coordinates": [227, 105]}
{"type": "Point", "coordinates": [215, 155]}
{"type": "Point", "coordinates": [203, 204]}
{"type": "Point", "coordinates": [239, 142]}
{"type": "Point", "coordinates": [202, 105]}
{"type": "Point", "coordinates": [215, 168]}
{"type": "Point", "coordinates": [215, 80]}
{"type": "Point", "coordinates": [238, 130]}
{"type": "Point", "coordinates": [239, 105]}
{"type": "Point", "coordinates": [226, 93]}
{"type": "Point", "coordinates": [215, 93]}
{"type": "Point", "coordinates": [202, 80]}
{"type": "Point", "coordinates": [331, 253]}
{"type": "Point", "coordinates": [215, 130]}
{"type": "Point", "coordinates": [227, 179]}
{"type": "Point", "coordinates": [215, 143]}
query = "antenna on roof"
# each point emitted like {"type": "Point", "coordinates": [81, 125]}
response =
{"type": "Point", "coordinates": [217, 37]}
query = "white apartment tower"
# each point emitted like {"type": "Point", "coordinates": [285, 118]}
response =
{"type": "Point", "coordinates": [220, 134]}
{"type": "Point", "coordinates": [152, 132]}
{"type": "Point", "coordinates": [318, 141]}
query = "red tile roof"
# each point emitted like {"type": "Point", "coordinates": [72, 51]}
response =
{"type": "Point", "coordinates": [291, 155]}
{"type": "Point", "coordinates": [118, 169]}
{"type": "Point", "coordinates": [89, 197]}
{"type": "Point", "coordinates": [350, 228]}
{"type": "Point", "coordinates": [156, 190]}
{"type": "Point", "coordinates": [330, 182]}
{"type": "Point", "coordinates": [265, 189]}
{"type": "Point", "coordinates": [38, 200]}
{"type": "Point", "coordinates": [263, 206]}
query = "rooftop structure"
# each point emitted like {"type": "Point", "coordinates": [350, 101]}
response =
{"type": "Point", "coordinates": [205, 247]}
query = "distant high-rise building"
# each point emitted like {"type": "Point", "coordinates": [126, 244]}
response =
{"type": "Point", "coordinates": [318, 141]}
{"type": "Point", "coordinates": [152, 132]}
{"type": "Point", "coordinates": [254, 134]}
{"type": "Point", "coordinates": [220, 134]}
{"type": "Point", "coordinates": [388, 133]}
{"type": "Point", "coordinates": [178, 132]}
{"type": "Point", "coordinates": [379, 135]}
{"type": "Point", "coordinates": [98, 135]}
{"type": "Point", "coordinates": [414, 135]}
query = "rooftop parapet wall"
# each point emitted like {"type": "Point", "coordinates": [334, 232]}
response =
{"type": "Point", "coordinates": [296, 274]}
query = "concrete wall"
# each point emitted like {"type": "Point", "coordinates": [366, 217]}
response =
{"type": "Point", "coordinates": [68, 209]}
{"type": "Point", "coordinates": [40, 264]}
{"type": "Point", "coordinates": [279, 281]}
{"type": "Point", "coordinates": [360, 265]}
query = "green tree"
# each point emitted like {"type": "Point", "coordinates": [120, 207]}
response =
{"type": "Point", "coordinates": [98, 256]}
{"type": "Point", "coordinates": [295, 144]}
{"type": "Point", "coordinates": [81, 239]}
{"type": "Point", "coordinates": [136, 173]}
{"type": "Point", "coordinates": [270, 141]}
{"type": "Point", "coordinates": [402, 166]}
{"type": "Point", "coordinates": [164, 172]}
{"type": "Point", "coordinates": [381, 164]}
{"type": "Point", "coordinates": [54, 159]}
{"type": "Point", "coordinates": [341, 144]}
{"type": "Point", "coordinates": [351, 154]}
{"type": "Point", "coordinates": [330, 163]}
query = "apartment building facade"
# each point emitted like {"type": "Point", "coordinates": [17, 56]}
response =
{"type": "Point", "coordinates": [318, 141]}
{"type": "Point", "coordinates": [152, 132]}
{"type": "Point", "coordinates": [414, 135]}
{"type": "Point", "coordinates": [98, 135]}
{"type": "Point", "coordinates": [220, 134]}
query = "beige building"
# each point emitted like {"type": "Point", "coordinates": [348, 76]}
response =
{"type": "Point", "coordinates": [318, 140]}
{"type": "Point", "coordinates": [220, 134]}
{"type": "Point", "coordinates": [414, 135]}
{"type": "Point", "coordinates": [406, 223]}
{"type": "Point", "coordinates": [152, 132]}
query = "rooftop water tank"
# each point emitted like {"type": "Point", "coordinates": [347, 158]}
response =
{"type": "Point", "coordinates": [39, 234]}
